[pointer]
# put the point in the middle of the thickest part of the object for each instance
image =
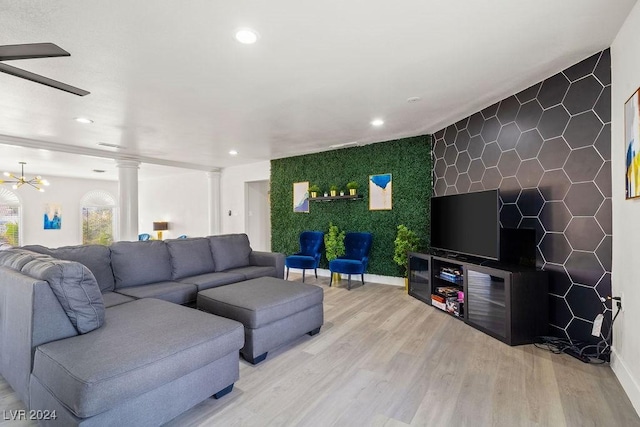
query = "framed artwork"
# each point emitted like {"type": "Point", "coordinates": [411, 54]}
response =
{"type": "Point", "coordinates": [301, 197]}
{"type": "Point", "coordinates": [380, 192]}
{"type": "Point", "coordinates": [632, 145]}
{"type": "Point", "coordinates": [52, 216]}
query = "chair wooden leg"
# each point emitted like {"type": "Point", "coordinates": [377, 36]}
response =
{"type": "Point", "coordinates": [330, 277]}
{"type": "Point", "coordinates": [287, 278]}
{"type": "Point", "coordinates": [303, 270]}
{"type": "Point", "coordinates": [316, 270]}
{"type": "Point", "coordinates": [362, 275]}
{"type": "Point", "coordinates": [349, 283]}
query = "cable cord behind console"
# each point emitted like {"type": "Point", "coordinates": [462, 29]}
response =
{"type": "Point", "coordinates": [598, 353]}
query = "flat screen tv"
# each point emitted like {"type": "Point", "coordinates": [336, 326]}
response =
{"type": "Point", "coordinates": [467, 224]}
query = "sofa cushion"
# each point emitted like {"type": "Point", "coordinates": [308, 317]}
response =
{"type": "Point", "coordinates": [179, 293]}
{"type": "Point", "coordinates": [139, 263]}
{"type": "Point", "coordinates": [96, 258]}
{"type": "Point", "coordinates": [301, 261]}
{"type": "Point", "coordinates": [143, 345]}
{"type": "Point", "coordinates": [346, 266]}
{"type": "Point", "coordinates": [230, 251]}
{"type": "Point", "coordinates": [111, 299]}
{"type": "Point", "coordinates": [75, 288]}
{"type": "Point", "coordinates": [254, 271]}
{"type": "Point", "coordinates": [190, 257]}
{"type": "Point", "coordinates": [211, 280]}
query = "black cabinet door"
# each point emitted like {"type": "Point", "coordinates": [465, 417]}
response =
{"type": "Point", "coordinates": [487, 302]}
{"type": "Point", "coordinates": [419, 276]}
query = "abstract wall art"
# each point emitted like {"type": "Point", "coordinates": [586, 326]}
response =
{"type": "Point", "coordinates": [52, 216]}
{"type": "Point", "coordinates": [301, 197]}
{"type": "Point", "coordinates": [632, 145]}
{"type": "Point", "coordinates": [380, 192]}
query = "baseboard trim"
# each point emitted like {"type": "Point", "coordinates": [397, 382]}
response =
{"type": "Point", "coordinates": [385, 280]}
{"type": "Point", "coordinates": [629, 384]}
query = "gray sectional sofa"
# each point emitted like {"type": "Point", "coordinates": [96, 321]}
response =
{"type": "Point", "coordinates": [99, 334]}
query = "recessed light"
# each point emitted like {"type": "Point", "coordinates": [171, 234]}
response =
{"type": "Point", "coordinates": [108, 145]}
{"type": "Point", "coordinates": [414, 99]}
{"type": "Point", "coordinates": [83, 120]}
{"type": "Point", "coordinates": [247, 36]}
{"type": "Point", "coordinates": [233, 152]}
{"type": "Point", "coordinates": [344, 144]}
{"type": "Point", "coordinates": [99, 170]}
{"type": "Point", "coordinates": [377, 122]}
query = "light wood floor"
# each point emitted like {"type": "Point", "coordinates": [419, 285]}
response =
{"type": "Point", "coordinates": [384, 358]}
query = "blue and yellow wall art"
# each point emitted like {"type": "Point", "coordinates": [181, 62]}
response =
{"type": "Point", "coordinates": [632, 142]}
{"type": "Point", "coordinates": [380, 192]}
{"type": "Point", "coordinates": [301, 197]}
{"type": "Point", "coordinates": [52, 216]}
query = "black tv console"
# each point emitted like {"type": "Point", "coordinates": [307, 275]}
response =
{"type": "Point", "coordinates": [508, 302]}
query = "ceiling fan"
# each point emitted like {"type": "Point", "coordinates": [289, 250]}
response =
{"type": "Point", "coordinates": [33, 51]}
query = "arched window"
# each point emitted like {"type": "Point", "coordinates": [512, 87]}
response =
{"type": "Point", "coordinates": [98, 218]}
{"type": "Point", "coordinates": [9, 218]}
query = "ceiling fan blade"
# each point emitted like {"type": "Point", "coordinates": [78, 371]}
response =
{"type": "Point", "coordinates": [4, 68]}
{"type": "Point", "coordinates": [30, 51]}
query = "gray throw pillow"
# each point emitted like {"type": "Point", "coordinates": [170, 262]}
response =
{"type": "Point", "coordinates": [76, 289]}
{"type": "Point", "coordinates": [96, 258]}
{"type": "Point", "coordinates": [230, 251]}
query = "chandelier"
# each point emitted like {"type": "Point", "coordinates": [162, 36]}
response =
{"type": "Point", "coordinates": [19, 181]}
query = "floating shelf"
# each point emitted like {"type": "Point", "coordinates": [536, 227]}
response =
{"type": "Point", "coordinates": [332, 198]}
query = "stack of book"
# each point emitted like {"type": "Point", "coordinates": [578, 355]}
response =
{"type": "Point", "coordinates": [446, 298]}
{"type": "Point", "coordinates": [439, 301]}
{"type": "Point", "coordinates": [450, 274]}
{"type": "Point", "coordinates": [447, 291]}
{"type": "Point", "coordinates": [453, 306]}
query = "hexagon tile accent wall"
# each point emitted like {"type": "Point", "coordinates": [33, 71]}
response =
{"type": "Point", "coordinates": [548, 150]}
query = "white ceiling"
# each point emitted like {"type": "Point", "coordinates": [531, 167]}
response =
{"type": "Point", "coordinates": [169, 82]}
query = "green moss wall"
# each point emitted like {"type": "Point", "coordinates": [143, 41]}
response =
{"type": "Point", "coordinates": [408, 160]}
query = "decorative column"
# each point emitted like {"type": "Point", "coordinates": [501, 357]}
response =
{"type": "Point", "coordinates": [128, 198]}
{"type": "Point", "coordinates": [213, 202]}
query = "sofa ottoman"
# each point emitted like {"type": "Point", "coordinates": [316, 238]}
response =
{"type": "Point", "coordinates": [273, 311]}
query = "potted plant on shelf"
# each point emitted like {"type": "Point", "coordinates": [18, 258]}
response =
{"type": "Point", "coordinates": [334, 245]}
{"type": "Point", "coordinates": [406, 241]}
{"type": "Point", "coordinates": [353, 187]}
{"type": "Point", "coordinates": [314, 190]}
{"type": "Point", "coordinates": [334, 190]}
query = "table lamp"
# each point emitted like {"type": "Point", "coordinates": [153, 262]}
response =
{"type": "Point", "coordinates": [160, 227]}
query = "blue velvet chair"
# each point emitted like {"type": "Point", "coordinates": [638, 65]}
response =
{"type": "Point", "coordinates": [144, 236]}
{"type": "Point", "coordinates": [355, 258]}
{"type": "Point", "coordinates": [311, 245]}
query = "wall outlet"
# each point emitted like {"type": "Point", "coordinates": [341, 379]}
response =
{"type": "Point", "coordinates": [597, 325]}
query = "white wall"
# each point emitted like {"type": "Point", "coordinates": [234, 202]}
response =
{"type": "Point", "coordinates": [64, 191]}
{"type": "Point", "coordinates": [625, 67]}
{"type": "Point", "coordinates": [258, 208]}
{"type": "Point", "coordinates": [233, 182]}
{"type": "Point", "coordinates": [180, 199]}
